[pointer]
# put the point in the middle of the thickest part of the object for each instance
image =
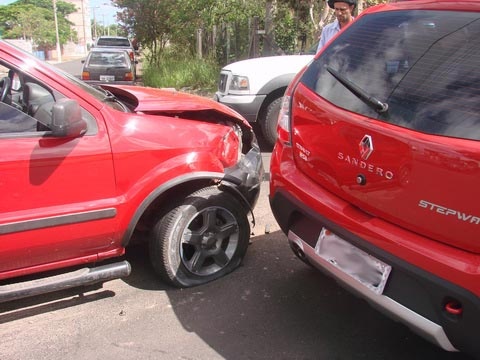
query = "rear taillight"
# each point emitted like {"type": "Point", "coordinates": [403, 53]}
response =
{"type": "Point", "coordinates": [284, 124]}
{"type": "Point", "coordinates": [132, 55]}
{"type": "Point", "coordinates": [284, 128]}
{"type": "Point", "coordinates": [85, 75]}
{"type": "Point", "coordinates": [128, 76]}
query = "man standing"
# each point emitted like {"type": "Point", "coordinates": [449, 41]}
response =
{"type": "Point", "coordinates": [344, 15]}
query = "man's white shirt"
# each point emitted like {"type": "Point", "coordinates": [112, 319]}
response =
{"type": "Point", "coordinates": [327, 33]}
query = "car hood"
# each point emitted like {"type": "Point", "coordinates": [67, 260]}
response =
{"type": "Point", "coordinates": [264, 70]}
{"type": "Point", "coordinates": [170, 102]}
{"type": "Point", "coordinates": [269, 64]}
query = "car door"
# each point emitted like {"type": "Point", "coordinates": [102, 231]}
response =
{"type": "Point", "coordinates": [56, 193]}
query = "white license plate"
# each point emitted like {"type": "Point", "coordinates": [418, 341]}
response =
{"type": "Point", "coordinates": [107, 78]}
{"type": "Point", "coordinates": [356, 263]}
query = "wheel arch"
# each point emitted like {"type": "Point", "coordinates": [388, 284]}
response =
{"type": "Point", "coordinates": [274, 89]}
{"type": "Point", "coordinates": [166, 193]}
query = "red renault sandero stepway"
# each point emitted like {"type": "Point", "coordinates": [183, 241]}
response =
{"type": "Point", "coordinates": [375, 174]}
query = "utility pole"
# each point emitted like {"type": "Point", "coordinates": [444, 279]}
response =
{"type": "Point", "coordinates": [94, 22]}
{"type": "Point", "coordinates": [59, 50]}
{"type": "Point", "coordinates": [85, 48]}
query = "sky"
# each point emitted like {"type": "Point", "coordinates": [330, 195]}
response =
{"type": "Point", "coordinates": [104, 11]}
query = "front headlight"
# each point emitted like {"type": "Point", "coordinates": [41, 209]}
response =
{"type": "Point", "coordinates": [239, 83]}
{"type": "Point", "coordinates": [232, 146]}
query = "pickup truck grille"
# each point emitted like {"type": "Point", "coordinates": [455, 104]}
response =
{"type": "Point", "coordinates": [222, 82]}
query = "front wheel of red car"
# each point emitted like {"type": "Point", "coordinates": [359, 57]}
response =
{"type": "Point", "coordinates": [201, 239]}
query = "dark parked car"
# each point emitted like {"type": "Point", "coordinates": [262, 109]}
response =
{"type": "Point", "coordinates": [108, 65]}
{"type": "Point", "coordinates": [87, 172]}
{"type": "Point", "coordinates": [375, 173]}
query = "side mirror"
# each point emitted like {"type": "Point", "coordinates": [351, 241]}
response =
{"type": "Point", "coordinates": [67, 119]}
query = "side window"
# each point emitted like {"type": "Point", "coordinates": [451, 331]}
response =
{"type": "Point", "coordinates": [422, 64]}
{"type": "Point", "coordinates": [30, 112]}
{"type": "Point", "coordinates": [26, 105]}
{"type": "Point", "coordinates": [13, 120]}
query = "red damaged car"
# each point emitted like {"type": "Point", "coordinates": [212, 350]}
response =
{"type": "Point", "coordinates": [375, 174]}
{"type": "Point", "coordinates": [86, 172]}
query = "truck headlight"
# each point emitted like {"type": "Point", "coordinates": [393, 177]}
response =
{"type": "Point", "coordinates": [239, 83]}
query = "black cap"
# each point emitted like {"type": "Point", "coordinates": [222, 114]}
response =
{"type": "Point", "coordinates": [350, 2]}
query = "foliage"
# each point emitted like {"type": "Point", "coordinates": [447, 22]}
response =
{"type": "Point", "coordinates": [286, 29]}
{"type": "Point", "coordinates": [169, 30]}
{"type": "Point", "coordinates": [34, 20]}
{"type": "Point", "coordinates": [175, 23]}
{"type": "Point", "coordinates": [181, 73]}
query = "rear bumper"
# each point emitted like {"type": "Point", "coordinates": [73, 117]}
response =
{"type": "Point", "coordinates": [99, 83]}
{"type": "Point", "coordinates": [414, 295]}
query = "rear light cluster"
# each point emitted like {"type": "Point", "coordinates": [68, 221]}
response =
{"type": "Point", "coordinates": [127, 77]}
{"type": "Point", "coordinates": [284, 123]}
{"type": "Point", "coordinates": [284, 128]}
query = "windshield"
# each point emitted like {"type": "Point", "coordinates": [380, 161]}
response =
{"type": "Point", "coordinates": [96, 92]}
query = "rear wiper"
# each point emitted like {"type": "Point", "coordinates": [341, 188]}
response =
{"type": "Point", "coordinates": [371, 101]}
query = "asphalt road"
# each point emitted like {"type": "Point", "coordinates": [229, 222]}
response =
{"type": "Point", "coordinates": [272, 307]}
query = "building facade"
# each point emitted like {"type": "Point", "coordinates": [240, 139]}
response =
{"type": "Point", "coordinates": [82, 25]}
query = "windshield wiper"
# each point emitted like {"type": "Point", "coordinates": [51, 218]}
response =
{"type": "Point", "coordinates": [109, 97]}
{"type": "Point", "coordinates": [371, 101]}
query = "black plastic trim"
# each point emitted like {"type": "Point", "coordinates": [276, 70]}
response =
{"type": "Point", "coordinates": [421, 291]}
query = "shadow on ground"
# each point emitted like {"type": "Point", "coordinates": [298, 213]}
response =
{"type": "Point", "coordinates": [276, 307]}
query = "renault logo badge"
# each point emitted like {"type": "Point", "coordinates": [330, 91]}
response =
{"type": "Point", "coordinates": [366, 147]}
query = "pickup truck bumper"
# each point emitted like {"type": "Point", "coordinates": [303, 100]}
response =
{"type": "Point", "coordinates": [246, 105]}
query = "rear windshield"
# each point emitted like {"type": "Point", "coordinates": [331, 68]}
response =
{"type": "Point", "coordinates": [111, 59]}
{"type": "Point", "coordinates": [113, 42]}
{"type": "Point", "coordinates": [424, 65]}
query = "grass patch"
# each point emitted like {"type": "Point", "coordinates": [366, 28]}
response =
{"type": "Point", "coordinates": [182, 73]}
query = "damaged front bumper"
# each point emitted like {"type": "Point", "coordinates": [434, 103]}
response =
{"type": "Point", "coordinates": [246, 176]}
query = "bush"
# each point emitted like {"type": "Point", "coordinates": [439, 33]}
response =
{"type": "Point", "coordinates": [182, 73]}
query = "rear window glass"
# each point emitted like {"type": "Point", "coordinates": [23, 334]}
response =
{"type": "Point", "coordinates": [424, 65]}
{"type": "Point", "coordinates": [102, 59]}
{"type": "Point", "coordinates": [113, 42]}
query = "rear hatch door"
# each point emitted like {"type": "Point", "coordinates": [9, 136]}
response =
{"type": "Point", "coordinates": [416, 164]}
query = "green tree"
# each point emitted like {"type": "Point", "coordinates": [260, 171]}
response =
{"type": "Point", "coordinates": [176, 25]}
{"type": "Point", "coordinates": [158, 23]}
{"type": "Point", "coordinates": [34, 20]}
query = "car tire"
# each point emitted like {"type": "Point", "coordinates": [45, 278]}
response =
{"type": "Point", "coordinates": [269, 125]}
{"type": "Point", "coordinates": [201, 239]}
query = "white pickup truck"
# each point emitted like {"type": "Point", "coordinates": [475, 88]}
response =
{"type": "Point", "coordinates": [255, 87]}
